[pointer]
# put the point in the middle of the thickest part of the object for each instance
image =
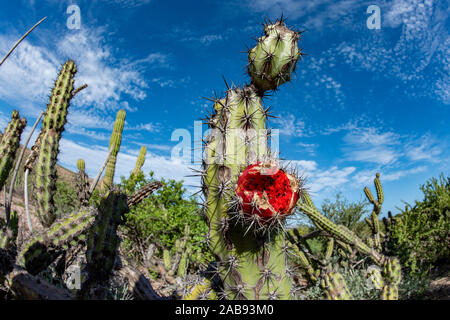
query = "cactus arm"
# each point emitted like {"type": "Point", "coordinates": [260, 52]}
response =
{"type": "Point", "coordinates": [100, 171]}
{"type": "Point", "coordinates": [39, 251]}
{"type": "Point", "coordinates": [339, 232]}
{"type": "Point", "coordinates": [143, 192]}
{"type": "Point", "coordinates": [25, 197]}
{"type": "Point", "coordinates": [51, 133]}
{"type": "Point", "coordinates": [102, 241]}
{"type": "Point", "coordinates": [9, 144]}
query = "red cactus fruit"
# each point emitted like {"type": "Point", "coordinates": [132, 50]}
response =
{"type": "Point", "coordinates": [264, 189]}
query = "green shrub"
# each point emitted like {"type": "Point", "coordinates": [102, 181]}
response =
{"type": "Point", "coordinates": [348, 214]}
{"type": "Point", "coordinates": [161, 219]}
{"type": "Point", "coordinates": [420, 234]}
{"type": "Point", "coordinates": [66, 199]}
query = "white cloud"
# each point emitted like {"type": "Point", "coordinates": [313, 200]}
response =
{"type": "Point", "coordinates": [27, 76]}
{"type": "Point", "coordinates": [313, 14]}
{"type": "Point", "coordinates": [365, 177]}
{"type": "Point", "coordinates": [369, 145]}
{"type": "Point", "coordinates": [424, 148]}
{"type": "Point", "coordinates": [94, 155]}
{"type": "Point", "coordinates": [150, 127]}
{"type": "Point", "coordinates": [290, 126]}
{"type": "Point", "coordinates": [318, 179]}
{"type": "Point", "coordinates": [330, 178]}
{"type": "Point", "coordinates": [419, 57]}
{"type": "Point", "coordinates": [131, 3]}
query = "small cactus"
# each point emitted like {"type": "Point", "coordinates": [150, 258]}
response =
{"type": "Point", "coordinates": [140, 160]}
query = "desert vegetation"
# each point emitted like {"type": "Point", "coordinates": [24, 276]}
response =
{"type": "Point", "coordinates": [67, 236]}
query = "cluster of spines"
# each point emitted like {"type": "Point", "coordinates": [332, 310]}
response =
{"type": "Point", "coordinates": [52, 129]}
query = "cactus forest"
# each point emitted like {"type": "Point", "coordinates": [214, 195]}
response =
{"type": "Point", "coordinates": [240, 245]}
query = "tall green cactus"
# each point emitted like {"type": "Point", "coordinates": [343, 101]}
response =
{"type": "Point", "coordinates": [140, 160]}
{"type": "Point", "coordinates": [103, 241]}
{"type": "Point", "coordinates": [52, 129]}
{"type": "Point", "coordinates": [116, 139]}
{"type": "Point", "coordinates": [9, 144]}
{"type": "Point", "coordinates": [251, 265]}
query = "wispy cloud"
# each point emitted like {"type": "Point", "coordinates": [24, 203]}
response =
{"type": "Point", "coordinates": [370, 145]}
{"type": "Point", "coordinates": [424, 148]}
{"type": "Point", "coordinates": [149, 127]}
{"type": "Point", "coordinates": [366, 176]}
{"type": "Point", "coordinates": [289, 125]}
{"type": "Point", "coordinates": [318, 179]}
{"type": "Point", "coordinates": [27, 76]}
{"type": "Point", "coordinates": [94, 155]}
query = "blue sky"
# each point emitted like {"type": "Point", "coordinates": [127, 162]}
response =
{"type": "Point", "coordinates": [362, 101]}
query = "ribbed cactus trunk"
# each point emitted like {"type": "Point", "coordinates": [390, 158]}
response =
{"type": "Point", "coordinates": [52, 129]}
{"type": "Point", "coordinates": [115, 141]}
{"type": "Point", "coordinates": [251, 265]}
{"type": "Point", "coordinates": [9, 144]}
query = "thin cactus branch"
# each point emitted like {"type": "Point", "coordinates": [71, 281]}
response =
{"type": "Point", "coordinates": [16, 169]}
{"type": "Point", "coordinates": [99, 174]}
{"type": "Point", "coordinates": [21, 39]}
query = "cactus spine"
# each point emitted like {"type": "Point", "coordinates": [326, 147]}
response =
{"type": "Point", "coordinates": [52, 129]}
{"type": "Point", "coordinates": [116, 139]}
{"type": "Point", "coordinates": [140, 160]}
{"type": "Point", "coordinates": [251, 265]}
{"type": "Point", "coordinates": [9, 144]}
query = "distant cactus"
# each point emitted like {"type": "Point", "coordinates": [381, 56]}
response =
{"type": "Point", "coordinates": [82, 183]}
{"type": "Point", "coordinates": [116, 139]}
{"type": "Point", "coordinates": [140, 160]}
